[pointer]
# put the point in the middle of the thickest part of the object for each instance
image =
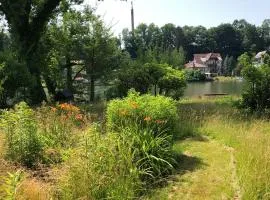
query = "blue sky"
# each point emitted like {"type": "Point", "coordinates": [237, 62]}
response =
{"type": "Point", "coordinates": [208, 13]}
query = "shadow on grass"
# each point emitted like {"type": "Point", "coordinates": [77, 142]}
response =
{"type": "Point", "coordinates": [198, 138]}
{"type": "Point", "coordinates": [186, 163]}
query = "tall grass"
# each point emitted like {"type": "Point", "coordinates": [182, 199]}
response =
{"type": "Point", "coordinates": [101, 168]}
{"type": "Point", "coordinates": [24, 143]}
{"type": "Point", "coordinates": [249, 136]}
{"type": "Point", "coordinates": [135, 154]}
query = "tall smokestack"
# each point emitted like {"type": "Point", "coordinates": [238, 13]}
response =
{"type": "Point", "coordinates": [132, 17]}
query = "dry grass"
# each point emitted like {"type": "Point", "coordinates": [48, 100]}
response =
{"type": "Point", "coordinates": [33, 189]}
{"type": "Point", "coordinates": [225, 78]}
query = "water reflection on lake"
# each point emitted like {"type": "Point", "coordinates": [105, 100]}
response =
{"type": "Point", "coordinates": [201, 88]}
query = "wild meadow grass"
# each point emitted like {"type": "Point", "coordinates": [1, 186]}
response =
{"type": "Point", "coordinates": [249, 136]}
{"type": "Point", "coordinates": [79, 158]}
{"type": "Point", "coordinates": [76, 157]}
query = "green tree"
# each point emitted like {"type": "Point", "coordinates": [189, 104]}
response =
{"type": "Point", "coordinates": [257, 91]}
{"type": "Point", "coordinates": [227, 39]}
{"type": "Point", "coordinates": [175, 58]}
{"type": "Point", "coordinates": [27, 21]}
{"type": "Point", "coordinates": [172, 83]}
{"type": "Point", "coordinates": [243, 61]}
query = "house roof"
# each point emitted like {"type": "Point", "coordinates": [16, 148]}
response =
{"type": "Point", "coordinates": [200, 59]}
{"type": "Point", "coordinates": [192, 64]}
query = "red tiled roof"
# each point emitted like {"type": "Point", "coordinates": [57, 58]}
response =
{"type": "Point", "coordinates": [200, 59]}
{"type": "Point", "coordinates": [193, 64]}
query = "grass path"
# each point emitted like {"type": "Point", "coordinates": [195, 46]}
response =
{"type": "Point", "coordinates": [208, 171]}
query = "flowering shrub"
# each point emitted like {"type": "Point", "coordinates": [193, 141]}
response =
{"type": "Point", "coordinates": [147, 123]}
{"type": "Point", "coordinates": [58, 123]}
{"type": "Point", "coordinates": [158, 114]}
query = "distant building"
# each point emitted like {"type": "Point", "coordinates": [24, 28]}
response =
{"type": "Point", "coordinates": [208, 63]}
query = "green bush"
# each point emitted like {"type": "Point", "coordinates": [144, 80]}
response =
{"type": "Point", "coordinates": [158, 114]}
{"type": "Point", "coordinates": [24, 144]}
{"type": "Point", "coordinates": [161, 78]}
{"type": "Point", "coordinates": [194, 75]}
{"type": "Point", "coordinates": [58, 124]}
{"type": "Point", "coordinates": [172, 84]}
{"type": "Point", "coordinates": [256, 94]}
{"type": "Point", "coordinates": [147, 124]}
{"type": "Point", "coordinates": [153, 154]}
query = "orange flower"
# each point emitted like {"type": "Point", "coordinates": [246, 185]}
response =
{"type": "Point", "coordinates": [160, 121]}
{"type": "Point", "coordinates": [79, 117]}
{"type": "Point", "coordinates": [69, 107]}
{"type": "Point", "coordinates": [134, 105]}
{"type": "Point", "coordinates": [147, 119]}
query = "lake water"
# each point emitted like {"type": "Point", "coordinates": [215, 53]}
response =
{"type": "Point", "coordinates": [201, 88]}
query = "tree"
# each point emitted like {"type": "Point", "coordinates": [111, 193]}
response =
{"type": "Point", "coordinates": [172, 83]}
{"type": "Point", "coordinates": [81, 42]}
{"type": "Point", "coordinates": [265, 33]}
{"type": "Point", "coordinates": [27, 21]}
{"type": "Point", "coordinates": [99, 51]}
{"type": "Point", "coordinates": [160, 77]}
{"type": "Point", "coordinates": [256, 96]}
{"type": "Point", "coordinates": [228, 40]}
{"type": "Point", "coordinates": [175, 58]}
{"type": "Point", "coordinates": [243, 61]}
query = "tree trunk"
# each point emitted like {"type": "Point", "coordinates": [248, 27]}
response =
{"type": "Point", "coordinates": [51, 85]}
{"type": "Point", "coordinates": [160, 90]}
{"type": "Point", "coordinates": [37, 93]}
{"type": "Point", "coordinates": [92, 88]}
{"type": "Point", "coordinates": [69, 77]}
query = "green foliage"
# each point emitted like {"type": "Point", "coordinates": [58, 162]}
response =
{"type": "Point", "coordinates": [228, 66]}
{"type": "Point", "coordinates": [56, 125]}
{"type": "Point", "coordinates": [195, 75]}
{"type": "Point", "coordinates": [14, 78]}
{"type": "Point", "coordinates": [11, 185]}
{"type": "Point", "coordinates": [256, 94]}
{"type": "Point", "coordinates": [153, 154]}
{"type": "Point", "coordinates": [147, 124]}
{"type": "Point", "coordinates": [162, 77]}
{"type": "Point", "coordinates": [102, 168]}
{"type": "Point", "coordinates": [24, 144]}
{"type": "Point", "coordinates": [158, 114]}
{"type": "Point", "coordinates": [78, 43]}
{"type": "Point", "coordinates": [173, 83]}
{"type": "Point", "coordinates": [175, 58]}
{"type": "Point", "coordinates": [134, 77]}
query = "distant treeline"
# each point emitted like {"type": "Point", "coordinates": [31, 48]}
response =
{"type": "Point", "coordinates": [228, 39]}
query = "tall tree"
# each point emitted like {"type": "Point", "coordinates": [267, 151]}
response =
{"type": "Point", "coordinates": [228, 40]}
{"type": "Point", "coordinates": [27, 20]}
